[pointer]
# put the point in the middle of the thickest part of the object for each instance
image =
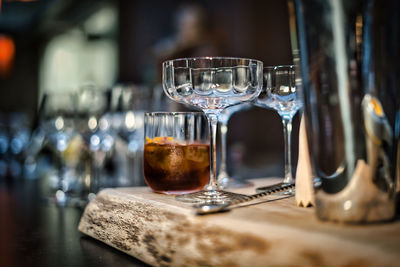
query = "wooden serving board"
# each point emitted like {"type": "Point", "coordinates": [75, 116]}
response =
{"type": "Point", "coordinates": [160, 231]}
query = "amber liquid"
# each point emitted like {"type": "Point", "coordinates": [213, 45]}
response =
{"type": "Point", "coordinates": [176, 168]}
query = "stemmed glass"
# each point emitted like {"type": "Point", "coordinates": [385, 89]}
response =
{"type": "Point", "coordinates": [223, 178]}
{"type": "Point", "coordinates": [57, 121]}
{"type": "Point", "coordinates": [130, 103]}
{"type": "Point", "coordinates": [281, 94]}
{"type": "Point", "coordinates": [94, 125]}
{"type": "Point", "coordinates": [212, 84]}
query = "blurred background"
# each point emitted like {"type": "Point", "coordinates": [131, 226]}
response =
{"type": "Point", "coordinates": [76, 77]}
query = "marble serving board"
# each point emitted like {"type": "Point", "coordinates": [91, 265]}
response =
{"type": "Point", "coordinates": [272, 231]}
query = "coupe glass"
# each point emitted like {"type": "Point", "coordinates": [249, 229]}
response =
{"type": "Point", "coordinates": [212, 84]}
{"type": "Point", "coordinates": [223, 178]}
{"type": "Point", "coordinates": [281, 94]}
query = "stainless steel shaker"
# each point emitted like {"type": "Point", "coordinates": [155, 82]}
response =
{"type": "Point", "coordinates": [350, 70]}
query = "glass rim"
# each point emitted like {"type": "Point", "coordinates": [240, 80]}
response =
{"type": "Point", "coordinates": [211, 58]}
{"type": "Point", "coordinates": [279, 66]}
{"type": "Point", "coordinates": [174, 113]}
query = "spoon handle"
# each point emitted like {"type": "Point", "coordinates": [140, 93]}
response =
{"type": "Point", "coordinates": [265, 191]}
{"type": "Point", "coordinates": [208, 208]}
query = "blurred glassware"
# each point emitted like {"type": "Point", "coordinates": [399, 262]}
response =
{"type": "Point", "coordinates": [95, 126]}
{"type": "Point", "coordinates": [280, 93]}
{"type": "Point", "coordinates": [19, 134]}
{"type": "Point", "coordinates": [160, 101]}
{"type": "Point", "coordinates": [131, 133]}
{"type": "Point", "coordinates": [14, 140]}
{"type": "Point", "coordinates": [36, 140]}
{"type": "Point", "coordinates": [131, 97]}
{"type": "Point", "coordinates": [58, 125]}
{"type": "Point", "coordinates": [129, 103]}
{"type": "Point", "coordinates": [223, 178]}
{"type": "Point", "coordinates": [4, 143]}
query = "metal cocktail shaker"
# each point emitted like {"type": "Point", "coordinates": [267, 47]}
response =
{"type": "Point", "coordinates": [350, 68]}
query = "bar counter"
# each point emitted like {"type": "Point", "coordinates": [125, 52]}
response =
{"type": "Point", "coordinates": [271, 231]}
{"type": "Point", "coordinates": [37, 233]}
{"type": "Point", "coordinates": [34, 232]}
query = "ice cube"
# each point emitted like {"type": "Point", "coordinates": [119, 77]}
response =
{"type": "Point", "coordinates": [197, 153]}
{"type": "Point", "coordinates": [163, 156]}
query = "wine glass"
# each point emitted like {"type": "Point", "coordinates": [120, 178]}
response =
{"type": "Point", "coordinates": [212, 84]}
{"type": "Point", "coordinates": [281, 94]}
{"type": "Point", "coordinates": [129, 103]}
{"type": "Point", "coordinates": [223, 178]}
{"type": "Point", "coordinates": [57, 121]}
{"type": "Point", "coordinates": [94, 125]}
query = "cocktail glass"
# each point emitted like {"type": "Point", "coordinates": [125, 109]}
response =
{"type": "Point", "coordinates": [212, 84]}
{"type": "Point", "coordinates": [281, 94]}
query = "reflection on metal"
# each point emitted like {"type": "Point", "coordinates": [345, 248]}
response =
{"type": "Point", "coordinates": [349, 60]}
{"type": "Point", "coordinates": [293, 32]}
{"type": "Point", "coordinates": [339, 49]}
{"type": "Point", "coordinates": [378, 135]}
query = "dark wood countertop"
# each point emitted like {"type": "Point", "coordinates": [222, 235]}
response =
{"type": "Point", "coordinates": [36, 233]}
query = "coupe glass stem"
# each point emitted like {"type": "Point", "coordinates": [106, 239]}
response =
{"type": "Point", "coordinates": [224, 131]}
{"type": "Point", "coordinates": [287, 135]}
{"type": "Point", "coordinates": [213, 120]}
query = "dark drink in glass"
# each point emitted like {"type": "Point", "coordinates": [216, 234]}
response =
{"type": "Point", "coordinates": [173, 167]}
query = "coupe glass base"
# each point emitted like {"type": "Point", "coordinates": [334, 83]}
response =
{"type": "Point", "coordinates": [210, 196]}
